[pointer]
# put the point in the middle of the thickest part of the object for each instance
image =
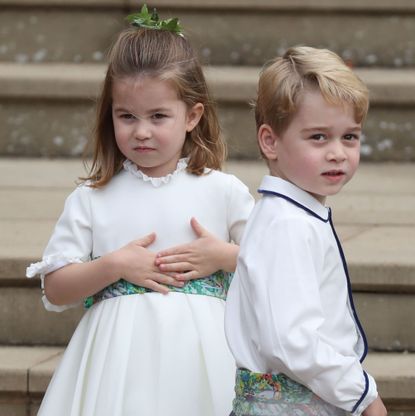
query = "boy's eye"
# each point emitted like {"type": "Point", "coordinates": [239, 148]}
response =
{"type": "Point", "coordinates": [351, 137]}
{"type": "Point", "coordinates": [318, 137]}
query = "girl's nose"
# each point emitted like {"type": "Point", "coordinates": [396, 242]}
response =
{"type": "Point", "coordinates": [142, 130]}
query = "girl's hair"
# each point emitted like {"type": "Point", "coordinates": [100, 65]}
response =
{"type": "Point", "coordinates": [169, 57]}
{"type": "Point", "coordinates": [283, 81]}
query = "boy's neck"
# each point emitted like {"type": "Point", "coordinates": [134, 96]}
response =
{"type": "Point", "coordinates": [320, 198]}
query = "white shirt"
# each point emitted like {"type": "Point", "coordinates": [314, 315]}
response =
{"type": "Point", "coordinates": [289, 308]}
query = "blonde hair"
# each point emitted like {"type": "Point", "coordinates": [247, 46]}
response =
{"type": "Point", "coordinates": [166, 56]}
{"type": "Point", "coordinates": [283, 81]}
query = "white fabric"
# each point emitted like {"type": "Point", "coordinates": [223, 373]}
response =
{"type": "Point", "coordinates": [147, 354]}
{"type": "Point", "coordinates": [287, 309]}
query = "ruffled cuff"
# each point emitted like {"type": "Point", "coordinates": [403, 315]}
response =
{"type": "Point", "coordinates": [57, 308]}
{"type": "Point", "coordinates": [48, 265]}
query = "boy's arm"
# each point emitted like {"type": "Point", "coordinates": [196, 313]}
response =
{"type": "Point", "coordinates": [376, 408]}
{"type": "Point", "coordinates": [284, 269]}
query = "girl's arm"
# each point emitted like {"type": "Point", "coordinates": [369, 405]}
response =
{"type": "Point", "coordinates": [200, 258]}
{"type": "Point", "coordinates": [133, 262]}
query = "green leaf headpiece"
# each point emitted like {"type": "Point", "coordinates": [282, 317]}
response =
{"type": "Point", "coordinates": [152, 21]}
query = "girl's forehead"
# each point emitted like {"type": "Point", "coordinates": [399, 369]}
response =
{"type": "Point", "coordinates": [144, 82]}
{"type": "Point", "coordinates": [133, 81]}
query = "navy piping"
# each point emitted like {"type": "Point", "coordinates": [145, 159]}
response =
{"type": "Point", "coordinates": [364, 393]}
{"type": "Point", "coordinates": [349, 286]}
{"type": "Point", "coordinates": [263, 191]}
{"type": "Point", "coordinates": [339, 247]}
{"type": "Point", "coordinates": [349, 289]}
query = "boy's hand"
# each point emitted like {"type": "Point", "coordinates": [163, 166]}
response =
{"type": "Point", "coordinates": [376, 408]}
{"type": "Point", "coordinates": [200, 258]}
{"type": "Point", "coordinates": [136, 264]}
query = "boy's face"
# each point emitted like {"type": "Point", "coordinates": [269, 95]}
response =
{"type": "Point", "coordinates": [320, 150]}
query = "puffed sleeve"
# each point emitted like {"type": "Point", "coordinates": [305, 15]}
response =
{"type": "Point", "coordinates": [287, 303]}
{"type": "Point", "coordinates": [71, 241]}
{"type": "Point", "coordinates": [240, 204]}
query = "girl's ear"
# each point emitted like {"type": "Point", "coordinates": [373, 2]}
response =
{"type": "Point", "coordinates": [194, 115]}
{"type": "Point", "coordinates": [267, 141]}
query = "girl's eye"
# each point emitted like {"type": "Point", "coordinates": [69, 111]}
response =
{"type": "Point", "coordinates": [127, 116]}
{"type": "Point", "coordinates": [351, 137]}
{"type": "Point", "coordinates": [158, 116]}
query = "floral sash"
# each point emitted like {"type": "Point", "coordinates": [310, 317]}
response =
{"type": "Point", "coordinates": [216, 285]}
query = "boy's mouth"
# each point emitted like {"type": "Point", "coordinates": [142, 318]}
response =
{"type": "Point", "coordinates": [334, 173]}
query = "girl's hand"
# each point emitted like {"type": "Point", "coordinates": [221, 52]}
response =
{"type": "Point", "coordinates": [200, 258]}
{"type": "Point", "coordinates": [136, 264]}
{"type": "Point", "coordinates": [376, 408]}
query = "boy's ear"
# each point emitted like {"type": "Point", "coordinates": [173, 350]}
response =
{"type": "Point", "coordinates": [194, 115]}
{"type": "Point", "coordinates": [267, 141]}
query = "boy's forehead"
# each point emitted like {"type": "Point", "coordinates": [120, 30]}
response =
{"type": "Point", "coordinates": [314, 109]}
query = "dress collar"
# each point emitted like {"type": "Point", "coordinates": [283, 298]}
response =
{"type": "Point", "coordinates": [131, 167]}
{"type": "Point", "coordinates": [282, 188]}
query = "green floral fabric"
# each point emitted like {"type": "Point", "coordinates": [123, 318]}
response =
{"type": "Point", "coordinates": [260, 394]}
{"type": "Point", "coordinates": [216, 285]}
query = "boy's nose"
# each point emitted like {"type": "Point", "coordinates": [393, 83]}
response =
{"type": "Point", "coordinates": [336, 151]}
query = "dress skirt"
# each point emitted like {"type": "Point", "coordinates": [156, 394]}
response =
{"type": "Point", "coordinates": [146, 355]}
{"type": "Point", "coordinates": [277, 395]}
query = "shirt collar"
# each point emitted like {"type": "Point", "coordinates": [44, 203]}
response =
{"type": "Point", "coordinates": [294, 194]}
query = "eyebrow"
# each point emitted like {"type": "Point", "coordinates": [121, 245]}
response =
{"type": "Point", "coordinates": [151, 111]}
{"type": "Point", "coordinates": [321, 128]}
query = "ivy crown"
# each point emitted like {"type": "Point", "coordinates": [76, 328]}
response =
{"type": "Point", "coordinates": [152, 21]}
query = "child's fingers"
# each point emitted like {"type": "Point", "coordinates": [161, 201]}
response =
{"type": "Point", "coordinates": [177, 258]}
{"type": "Point", "coordinates": [179, 267]}
{"type": "Point", "coordinates": [173, 250]}
{"type": "Point", "coordinates": [157, 287]}
{"type": "Point", "coordinates": [190, 275]}
{"type": "Point", "coordinates": [146, 240]}
{"type": "Point", "coordinates": [198, 229]}
{"type": "Point", "coordinates": [166, 280]}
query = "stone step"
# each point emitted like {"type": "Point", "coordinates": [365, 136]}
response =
{"type": "Point", "coordinates": [25, 373]}
{"type": "Point", "coordinates": [46, 110]}
{"type": "Point", "coordinates": [231, 32]}
{"type": "Point", "coordinates": [374, 217]}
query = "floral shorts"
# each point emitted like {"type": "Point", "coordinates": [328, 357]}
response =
{"type": "Point", "coordinates": [276, 395]}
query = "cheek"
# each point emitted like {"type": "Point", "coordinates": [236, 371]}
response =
{"type": "Point", "coordinates": [354, 156]}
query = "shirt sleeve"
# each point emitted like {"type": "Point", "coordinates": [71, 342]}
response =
{"type": "Point", "coordinates": [284, 268]}
{"type": "Point", "coordinates": [71, 241]}
{"type": "Point", "coordinates": [240, 204]}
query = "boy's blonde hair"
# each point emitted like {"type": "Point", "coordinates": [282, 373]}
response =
{"type": "Point", "coordinates": [283, 81]}
{"type": "Point", "coordinates": [163, 55]}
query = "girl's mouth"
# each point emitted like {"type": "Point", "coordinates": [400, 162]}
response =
{"type": "Point", "coordinates": [143, 149]}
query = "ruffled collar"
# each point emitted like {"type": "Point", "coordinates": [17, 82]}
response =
{"type": "Point", "coordinates": [156, 182]}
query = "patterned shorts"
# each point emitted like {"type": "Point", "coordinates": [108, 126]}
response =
{"type": "Point", "coordinates": [276, 395]}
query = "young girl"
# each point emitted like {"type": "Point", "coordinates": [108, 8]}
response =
{"type": "Point", "coordinates": [290, 319]}
{"type": "Point", "coordinates": [155, 166]}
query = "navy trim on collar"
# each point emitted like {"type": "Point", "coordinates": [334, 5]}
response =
{"type": "Point", "coordinates": [263, 191]}
{"type": "Point", "coordinates": [276, 186]}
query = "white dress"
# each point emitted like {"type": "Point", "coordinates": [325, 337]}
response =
{"type": "Point", "coordinates": [145, 354]}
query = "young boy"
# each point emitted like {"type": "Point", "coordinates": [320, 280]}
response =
{"type": "Point", "coordinates": [290, 318]}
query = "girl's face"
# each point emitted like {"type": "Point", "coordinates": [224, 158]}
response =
{"type": "Point", "coordinates": [320, 149]}
{"type": "Point", "coordinates": [150, 123]}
